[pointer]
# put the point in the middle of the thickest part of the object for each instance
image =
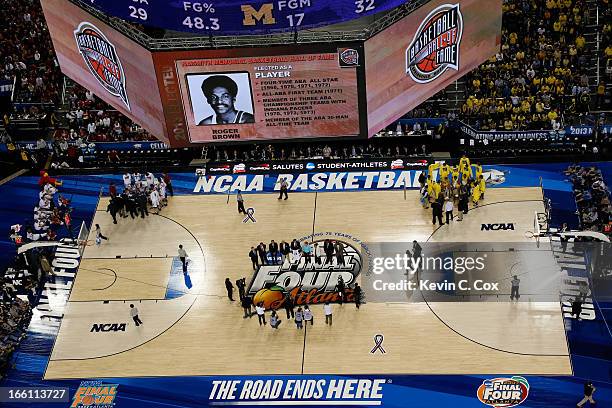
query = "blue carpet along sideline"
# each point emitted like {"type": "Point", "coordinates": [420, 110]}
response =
{"type": "Point", "coordinates": [397, 390]}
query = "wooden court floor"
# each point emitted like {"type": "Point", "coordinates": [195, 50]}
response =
{"type": "Point", "coordinates": [203, 333]}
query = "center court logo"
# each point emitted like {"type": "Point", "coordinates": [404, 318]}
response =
{"type": "Point", "coordinates": [435, 46]}
{"type": "Point", "coordinates": [312, 283]}
{"type": "Point", "coordinates": [503, 392]}
{"type": "Point", "coordinates": [95, 394]}
{"type": "Point", "coordinates": [102, 60]}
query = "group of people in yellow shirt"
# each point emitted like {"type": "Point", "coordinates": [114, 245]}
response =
{"type": "Point", "coordinates": [452, 181]}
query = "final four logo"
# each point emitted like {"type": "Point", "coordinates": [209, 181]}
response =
{"type": "Point", "coordinates": [102, 60]}
{"type": "Point", "coordinates": [311, 283]}
{"type": "Point", "coordinates": [503, 392]}
{"type": "Point", "coordinates": [435, 46]}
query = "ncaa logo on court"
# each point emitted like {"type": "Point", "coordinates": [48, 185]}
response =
{"type": "Point", "coordinates": [101, 59]}
{"type": "Point", "coordinates": [503, 392]}
{"type": "Point", "coordinates": [310, 166]}
{"type": "Point", "coordinates": [435, 46]}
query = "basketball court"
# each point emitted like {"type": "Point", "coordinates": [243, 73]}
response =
{"type": "Point", "coordinates": [191, 328]}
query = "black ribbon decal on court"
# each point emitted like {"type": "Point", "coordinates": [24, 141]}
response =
{"type": "Point", "coordinates": [378, 340]}
{"type": "Point", "coordinates": [250, 211]}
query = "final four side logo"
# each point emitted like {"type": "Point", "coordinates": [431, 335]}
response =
{"type": "Point", "coordinates": [435, 46]}
{"type": "Point", "coordinates": [102, 60]}
{"type": "Point", "coordinates": [94, 394]}
{"type": "Point", "coordinates": [312, 283]}
{"type": "Point", "coordinates": [503, 392]}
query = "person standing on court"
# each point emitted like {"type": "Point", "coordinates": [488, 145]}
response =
{"type": "Point", "coordinates": [113, 208]}
{"type": "Point", "coordinates": [240, 201]}
{"type": "Point", "coordinates": [422, 179]}
{"type": "Point", "coordinates": [183, 257]}
{"type": "Point", "coordinates": [241, 284]}
{"type": "Point", "coordinates": [448, 208]}
{"type": "Point", "coordinates": [284, 251]}
{"type": "Point", "coordinates": [308, 315]}
{"type": "Point", "coordinates": [247, 302]}
{"type": "Point", "coordinates": [459, 206]}
{"type": "Point", "coordinates": [340, 287]}
{"type": "Point", "coordinates": [299, 317]}
{"type": "Point", "coordinates": [463, 200]}
{"type": "Point", "coordinates": [436, 210]}
{"type": "Point", "coordinates": [254, 259]}
{"type": "Point", "coordinates": [284, 187]}
{"type": "Point", "coordinates": [589, 389]}
{"type": "Point", "coordinates": [261, 313]}
{"type": "Point", "coordinates": [339, 250]}
{"type": "Point", "coordinates": [328, 248]}
{"type": "Point", "coordinates": [328, 313]}
{"type": "Point", "coordinates": [307, 251]}
{"type": "Point", "coordinates": [134, 314]}
{"type": "Point", "coordinates": [288, 305]}
{"type": "Point", "coordinates": [261, 250]}
{"type": "Point", "coordinates": [295, 250]}
{"type": "Point", "coordinates": [230, 289]}
{"type": "Point", "coordinates": [515, 288]}
{"type": "Point", "coordinates": [168, 181]}
{"type": "Point", "coordinates": [357, 293]}
{"type": "Point", "coordinates": [141, 199]}
{"type": "Point", "coordinates": [273, 249]}
{"type": "Point", "coordinates": [317, 251]}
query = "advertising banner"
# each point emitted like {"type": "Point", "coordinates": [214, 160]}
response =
{"type": "Point", "coordinates": [317, 165]}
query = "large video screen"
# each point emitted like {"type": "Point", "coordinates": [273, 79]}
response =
{"type": "Point", "coordinates": [113, 67]}
{"type": "Point", "coordinates": [424, 52]}
{"type": "Point", "coordinates": [279, 97]}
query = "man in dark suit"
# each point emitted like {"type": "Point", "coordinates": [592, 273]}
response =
{"type": "Point", "coordinates": [253, 256]}
{"type": "Point", "coordinates": [284, 250]}
{"type": "Point", "coordinates": [241, 284]}
{"type": "Point", "coordinates": [273, 248]}
{"type": "Point", "coordinates": [230, 289]}
{"type": "Point", "coordinates": [261, 250]}
{"type": "Point", "coordinates": [142, 205]}
{"type": "Point", "coordinates": [288, 304]}
{"type": "Point", "coordinates": [436, 209]}
{"type": "Point", "coordinates": [339, 250]}
{"type": "Point", "coordinates": [113, 208]}
{"type": "Point", "coordinates": [328, 248]}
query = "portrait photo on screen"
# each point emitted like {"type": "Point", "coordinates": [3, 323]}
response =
{"type": "Point", "coordinates": [221, 98]}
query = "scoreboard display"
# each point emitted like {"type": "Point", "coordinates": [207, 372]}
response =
{"type": "Point", "coordinates": [225, 17]}
{"type": "Point", "coordinates": [284, 92]}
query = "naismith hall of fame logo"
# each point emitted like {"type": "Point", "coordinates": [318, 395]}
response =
{"type": "Point", "coordinates": [102, 60]}
{"type": "Point", "coordinates": [435, 46]}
